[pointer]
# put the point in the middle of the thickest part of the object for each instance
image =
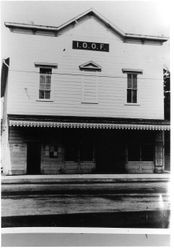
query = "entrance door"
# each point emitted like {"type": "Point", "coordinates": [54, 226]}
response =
{"type": "Point", "coordinates": [110, 154]}
{"type": "Point", "coordinates": [33, 158]}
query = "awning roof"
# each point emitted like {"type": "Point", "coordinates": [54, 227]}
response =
{"type": "Point", "coordinates": [89, 125]}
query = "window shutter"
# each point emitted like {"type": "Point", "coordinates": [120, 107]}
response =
{"type": "Point", "coordinates": [90, 89]}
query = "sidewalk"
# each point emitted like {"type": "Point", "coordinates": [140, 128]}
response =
{"type": "Point", "coordinates": [85, 184]}
{"type": "Point", "coordinates": [84, 178]}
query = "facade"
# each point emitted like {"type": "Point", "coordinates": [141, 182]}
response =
{"type": "Point", "coordinates": [83, 97]}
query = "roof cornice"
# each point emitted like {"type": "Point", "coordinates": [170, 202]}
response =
{"type": "Point", "coordinates": [57, 29]}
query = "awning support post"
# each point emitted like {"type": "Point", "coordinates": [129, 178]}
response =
{"type": "Point", "coordinates": [159, 152]}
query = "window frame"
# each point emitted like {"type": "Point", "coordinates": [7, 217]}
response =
{"type": "Point", "coordinates": [45, 65]}
{"type": "Point", "coordinates": [53, 151]}
{"type": "Point", "coordinates": [133, 72]}
{"type": "Point", "coordinates": [44, 87]}
{"type": "Point", "coordinates": [133, 89]}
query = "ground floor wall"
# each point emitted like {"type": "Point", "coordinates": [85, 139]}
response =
{"type": "Point", "coordinates": [82, 151]}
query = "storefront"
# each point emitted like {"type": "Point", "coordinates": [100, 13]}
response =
{"type": "Point", "coordinates": [54, 147]}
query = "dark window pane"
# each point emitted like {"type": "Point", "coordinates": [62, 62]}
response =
{"type": "Point", "coordinates": [42, 79]}
{"type": "Point", "coordinates": [134, 152]}
{"type": "Point", "coordinates": [129, 95]}
{"type": "Point", "coordinates": [71, 152]}
{"type": "Point", "coordinates": [48, 78]}
{"type": "Point", "coordinates": [45, 70]}
{"type": "Point", "coordinates": [47, 86]}
{"type": "Point", "coordinates": [129, 78]}
{"type": "Point", "coordinates": [134, 97]}
{"type": "Point", "coordinates": [147, 152]}
{"type": "Point", "coordinates": [41, 94]}
{"type": "Point", "coordinates": [53, 151]}
{"type": "Point", "coordinates": [134, 81]}
{"type": "Point", "coordinates": [42, 86]}
{"type": "Point", "coordinates": [86, 152]}
{"type": "Point", "coordinates": [47, 94]}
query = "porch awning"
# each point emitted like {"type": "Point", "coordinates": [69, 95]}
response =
{"type": "Point", "coordinates": [57, 124]}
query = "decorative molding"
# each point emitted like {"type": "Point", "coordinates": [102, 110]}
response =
{"type": "Point", "coordinates": [136, 71]}
{"type": "Point", "coordinates": [45, 124]}
{"type": "Point", "coordinates": [132, 104]}
{"type": "Point", "coordinates": [90, 66]}
{"type": "Point", "coordinates": [44, 64]}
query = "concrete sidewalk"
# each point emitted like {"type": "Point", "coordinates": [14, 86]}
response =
{"type": "Point", "coordinates": [85, 184]}
{"type": "Point", "coordinates": [84, 178]}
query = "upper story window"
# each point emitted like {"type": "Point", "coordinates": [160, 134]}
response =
{"type": "Point", "coordinates": [45, 83]}
{"type": "Point", "coordinates": [45, 79]}
{"type": "Point", "coordinates": [131, 88]}
{"type": "Point", "coordinates": [132, 84]}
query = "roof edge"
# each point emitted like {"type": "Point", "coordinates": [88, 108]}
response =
{"type": "Point", "coordinates": [91, 11]}
{"type": "Point", "coordinates": [87, 119]}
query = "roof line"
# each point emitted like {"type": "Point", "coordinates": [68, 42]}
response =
{"type": "Point", "coordinates": [91, 11]}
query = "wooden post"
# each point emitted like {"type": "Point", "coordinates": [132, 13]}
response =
{"type": "Point", "coordinates": [126, 156]}
{"type": "Point", "coordinates": [159, 152]}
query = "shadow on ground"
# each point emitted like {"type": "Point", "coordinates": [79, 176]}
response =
{"type": "Point", "coordinates": [144, 219]}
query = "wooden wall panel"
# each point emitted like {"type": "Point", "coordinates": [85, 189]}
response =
{"type": "Point", "coordinates": [51, 165]}
{"type": "Point", "coordinates": [140, 167]}
{"type": "Point", "coordinates": [59, 166]}
{"type": "Point", "coordinates": [18, 157]}
{"type": "Point", "coordinates": [67, 78]}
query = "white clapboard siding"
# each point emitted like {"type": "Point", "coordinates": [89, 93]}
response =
{"type": "Point", "coordinates": [72, 90]}
{"type": "Point", "coordinates": [67, 97]}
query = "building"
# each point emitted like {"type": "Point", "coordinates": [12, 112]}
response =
{"type": "Point", "coordinates": [84, 97]}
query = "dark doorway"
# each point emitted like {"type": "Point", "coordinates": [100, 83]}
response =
{"type": "Point", "coordinates": [33, 158]}
{"type": "Point", "coordinates": [110, 154]}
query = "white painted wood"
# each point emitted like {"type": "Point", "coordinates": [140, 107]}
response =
{"type": "Point", "coordinates": [140, 167]}
{"type": "Point", "coordinates": [18, 157]}
{"type": "Point", "coordinates": [67, 97]}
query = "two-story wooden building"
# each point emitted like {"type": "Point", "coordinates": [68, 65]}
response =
{"type": "Point", "coordinates": [83, 97]}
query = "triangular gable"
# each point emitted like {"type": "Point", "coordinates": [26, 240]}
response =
{"type": "Point", "coordinates": [91, 12]}
{"type": "Point", "coordinates": [90, 66]}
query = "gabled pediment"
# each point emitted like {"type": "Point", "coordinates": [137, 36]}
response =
{"type": "Point", "coordinates": [90, 66]}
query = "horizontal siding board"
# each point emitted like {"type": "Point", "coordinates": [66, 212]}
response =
{"type": "Point", "coordinates": [67, 78]}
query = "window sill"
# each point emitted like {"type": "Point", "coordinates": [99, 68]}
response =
{"type": "Point", "coordinates": [89, 102]}
{"type": "Point", "coordinates": [44, 100]}
{"type": "Point", "coordinates": [132, 104]}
